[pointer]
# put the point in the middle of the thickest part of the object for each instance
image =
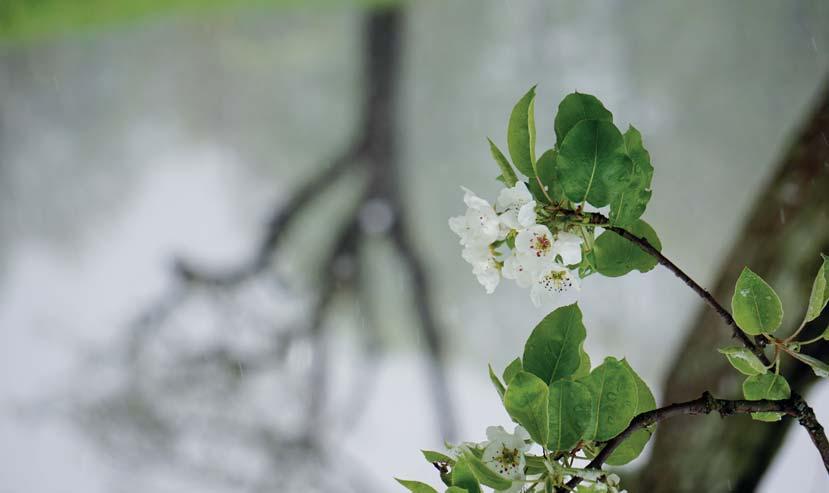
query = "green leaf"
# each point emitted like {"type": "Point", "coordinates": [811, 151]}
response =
{"type": "Point", "coordinates": [521, 134]}
{"type": "Point", "coordinates": [745, 361]}
{"type": "Point", "coordinates": [569, 412]}
{"type": "Point", "coordinates": [820, 368]}
{"type": "Point", "coordinates": [547, 168]}
{"type": "Point", "coordinates": [628, 205]}
{"type": "Point", "coordinates": [463, 475]}
{"type": "Point", "coordinates": [614, 399]}
{"type": "Point", "coordinates": [432, 456]}
{"type": "Point", "coordinates": [633, 445]}
{"type": "Point", "coordinates": [526, 401]}
{"type": "Point", "coordinates": [499, 387]}
{"type": "Point", "coordinates": [484, 474]}
{"type": "Point", "coordinates": [535, 465]}
{"type": "Point", "coordinates": [756, 307]}
{"type": "Point", "coordinates": [512, 369]}
{"type": "Point", "coordinates": [416, 486]}
{"type": "Point", "coordinates": [820, 292]}
{"type": "Point", "coordinates": [592, 163]}
{"type": "Point", "coordinates": [769, 386]}
{"type": "Point", "coordinates": [455, 489]}
{"type": "Point", "coordinates": [508, 176]}
{"type": "Point", "coordinates": [553, 349]}
{"type": "Point", "coordinates": [614, 256]}
{"type": "Point", "coordinates": [576, 107]}
{"type": "Point", "coordinates": [584, 364]}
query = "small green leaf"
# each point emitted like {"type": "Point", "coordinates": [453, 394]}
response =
{"type": "Point", "coordinates": [614, 256]}
{"type": "Point", "coordinates": [416, 486]}
{"type": "Point", "coordinates": [432, 456]}
{"type": "Point", "coordinates": [535, 465]}
{"type": "Point", "coordinates": [592, 163]}
{"type": "Point", "coordinates": [521, 134]}
{"type": "Point", "coordinates": [569, 412]}
{"type": "Point", "coordinates": [499, 387]}
{"type": "Point", "coordinates": [512, 369]}
{"type": "Point", "coordinates": [547, 169]}
{"type": "Point", "coordinates": [484, 474]}
{"type": "Point", "coordinates": [463, 475]}
{"type": "Point", "coordinates": [576, 107]}
{"type": "Point", "coordinates": [820, 291]}
{"type": "Point", "coordinates": [628, 205]}
{"type": "Point", "coordinates": [614, 399]}
{"type": "Point", "coordinates": [820, 368]}
{"type": "Point", "coordinates": [633, 445]}
{"type": "Point", "coordinates": [769, 386]}
{"type": "Point", "coordinates": [507, 174]}
{"type": "Point", "coordinates": [553, 349]}
{"type": "Point", "coordinates": [756, 307]}
{"type": "Point", "coordinates": [526, 401]}
{"type": "Point", "coordinates": [745, 361]}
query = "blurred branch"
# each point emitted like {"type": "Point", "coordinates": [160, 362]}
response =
{"type": "Point", "coordinates": [374, 149]}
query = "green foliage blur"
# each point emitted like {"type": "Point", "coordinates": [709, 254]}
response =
{"type": "Point", "coordinates": [31, 20]}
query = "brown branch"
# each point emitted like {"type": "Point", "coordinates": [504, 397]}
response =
{"type": "Point", "coordinates": [703, 293]}
{"type": "Point", "coordinates": [707, 404]}
{"type": "Point", "coordinates": [812, 426]}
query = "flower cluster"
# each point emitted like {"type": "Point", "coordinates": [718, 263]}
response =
{"type": "Point", "coordinates": [537, 258]}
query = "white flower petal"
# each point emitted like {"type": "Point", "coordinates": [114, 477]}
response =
{"type": "Point", "coordinates": [551, 282]}
{"type": "Point", "coordinates": [568, 246]}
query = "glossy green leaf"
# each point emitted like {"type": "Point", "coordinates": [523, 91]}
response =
{"type": "Point", "coordinates": [553, 349]}
{"type": "Point", "coordinates": [614, 256]}
{"type": "Point", "coordinates": [416, 486]}
{"type": "Point", "coordinates": [820, 291]}
{"type": "Point", "coordinates": [628, 205]}
{"type": "Point", "coordinates": [484, 474]}
{"type": "Point", "coordinates": [769, 386]}
{"type": "Point", "coordinates": [592, 163]}
{"type": "Point", "coordinates": [614, 399]}
{"type": "Point", "coordinates": [455, 489]}
{"type": "Point", "coordinates": [756, 307]}
{"type": "Point", "coordinates": [526, 401]}
{"type": "Point", "coordinates": [512, 369]}
{"type": "Point", "coordinates": [432, 456]}
{"type": "Point", "coordinates": [576, 107]}
{"type": "Point", "coordinates": [463, 475]}
{"type": "Point", "coordinates": [521, 134]}
{"type": "Point", "coordinates": [499, 387]}
{"type": "Point", "coordinates": [569, 412]}
{"type": "Point", "coordinates": [547, 169]}
{"type": "Point", "coordinates": [508, 176]}
{"type": "Point", "coordinates": [745, 361]}
{"type": "Point", "coordinates": [635, 444]}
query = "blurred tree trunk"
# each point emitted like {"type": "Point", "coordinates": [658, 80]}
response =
{"type": "Point", "coordinates": [785, 231]}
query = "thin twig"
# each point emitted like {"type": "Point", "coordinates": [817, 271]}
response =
{"type": "Point", "coordinates": [705, 404]}
{"type": "Point", "coordinates": [809, 421]}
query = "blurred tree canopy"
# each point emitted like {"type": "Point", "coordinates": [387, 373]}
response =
{"type": "Point", "coordinates": [28, 20]}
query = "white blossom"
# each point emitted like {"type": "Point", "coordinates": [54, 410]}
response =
{"type": "Point", "coordinates": [518, 268]}
{"type": "Point", "coordinates": [504, 454]}
{"type": "Point", "coordinates": [484, 266]}
{"type": "Point", "coordinates": [479, 225]}
{"type": "Point", "coordinates": [551, 282]}
{"type": "Point", "coordinates": [516, 207]}
{"type": "Point", "coordinates": [535, 245]}
{"type": "Point", "coordinates": [568, 247]}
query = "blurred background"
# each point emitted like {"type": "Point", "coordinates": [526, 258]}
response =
{"type": "Point", "coordinates": [224, 256]}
